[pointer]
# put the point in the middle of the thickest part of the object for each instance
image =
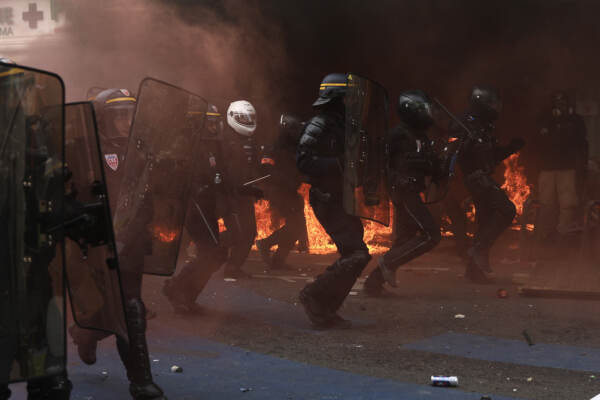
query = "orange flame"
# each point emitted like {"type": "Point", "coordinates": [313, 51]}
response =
{"type": "Point", "coordinates": [319, 241]}
{"type": "Point", "coordinates": [515, 182]}
{"type": "Point", "coordinates": [164, 235]}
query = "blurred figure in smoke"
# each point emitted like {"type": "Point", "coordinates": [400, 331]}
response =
{"type": "Point", "coordinates": [320, 156]}
{"type": "Point", "coordinates": [479, 156]}
{"type": "Point", "coordinates": [243, 166]}
{"type": "Point", "coordinates": [201, 219]}
{"type": "Point", "coordinates": [114, 109]}
{"type": "Point", "coordinates": [412, 159]}
{"type": "Point", "coordinates": [283, 196]}
{"type": "Point", "coordinates": [563, 154]}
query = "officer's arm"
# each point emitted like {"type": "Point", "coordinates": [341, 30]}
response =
{"type": "Point", "coordinates": [503, 152]}
{"type": "Point", "coordinates": [308, 159]}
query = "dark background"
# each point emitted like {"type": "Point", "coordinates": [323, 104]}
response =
{"type": "Point", "coordinates": [275, 53]}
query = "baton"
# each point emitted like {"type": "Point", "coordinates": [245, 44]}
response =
{"type": "Point", "coordinates": [262, 178]}
{"type": "Point", "coordinates": [206, 223]}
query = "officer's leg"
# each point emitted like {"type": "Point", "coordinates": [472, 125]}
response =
{"type": "Point", "coordinates": [183, 290]}
{"type": "Point", "coordinates": [8, 341]}
{"type": "Point", "coordinates": [404, 229]}
{"type": "Point", "coordinates": [495, 212]}
{"type": "Point", "coordinates": [134, 354]}
{"type": "Point", "coordinates": [567, 199]}
{"type": "Point", "coordinates": [459, 224]}
{"type": "Point", "coordinates": [245, 240]}
{"type": "Point", "coordinates": [292, 233]}
{"type": "Point", "coordinates": [427, 238]}
{"type": "Point", "coordinates": [323, 297]}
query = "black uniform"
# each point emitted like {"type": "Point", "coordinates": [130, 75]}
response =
{"type": "Point", "coordinates": [243, 165]}
{"type": "Point", "coordinates": [203, 228]}
{"type": "Point", "coordinates": [319, 156]}
{"type": "Point", "coordinates": [110, 104]}
{"type": "Point", "coordinates": [284, 199]}
{"type": "Point", "coordinates": [417, 232]}
{"type": "Point", "coordinates": [479, 156]}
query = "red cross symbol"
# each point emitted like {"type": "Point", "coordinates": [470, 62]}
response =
{"type": "Point", "coordinates": [33, 16]}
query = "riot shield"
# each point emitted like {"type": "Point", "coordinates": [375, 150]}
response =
{"type": "Point", "coordinates": [92, 269]}
{"type": "Point", "coordinates": [32, 336]}
{"type": "Point", "coordinates": [365, 182]}
{"type": "Point", "coordinates": [154, 192]}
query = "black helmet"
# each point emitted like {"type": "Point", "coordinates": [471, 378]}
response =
{"type": "Point", "coordinates": [332, 86]}
{"type": "Point", "coordinates": [485, 102]}
{"type": "Point", "coordinates": [415, 109]}
{"type": "Point", "coordinates": [114, 111]}
{"type": "Point", "coordinates": [214, 121]}
{"type": "Point", "coordinates": [561, 104]}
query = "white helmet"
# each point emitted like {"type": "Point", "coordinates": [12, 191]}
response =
{"type": "Point", "coordinates": [241, 117]}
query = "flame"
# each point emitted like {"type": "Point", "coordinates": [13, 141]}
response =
{"type": "Point", "coordinates": [471, 211]}
{"type": "Point", "coordinates": [164, 235]}
{"type": "Point", "coordinates": [319, 242]}
{"type": "Point", "coordinates": [515, 182]}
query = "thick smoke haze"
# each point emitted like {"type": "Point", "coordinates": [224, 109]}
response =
{"type": "Point", "coordinates": [275, 52]}
{"type": "Point", "coordinates": [116, 43]}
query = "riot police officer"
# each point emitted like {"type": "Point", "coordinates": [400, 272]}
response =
{"type": "Point", "coordinates": [243, 165]}
{"type": "Point", "coordinates": [411, 160]}
{"type": "Point", "coordinates": [201, 218]}
{"type": "Point", "coordinates": [32, 221]}
{"type": "Point", "coordinates": [479, 155]}
{"type": "Point", "coordinates": [114, 111]}
{"type": "Point", "coordinates": [320, 157]}
{"type": "Point", "coordinates": [282, 194]}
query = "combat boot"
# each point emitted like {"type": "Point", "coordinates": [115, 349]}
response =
{"type": "Point", "coordinates": [135, 355]}
{"type": "Point", "coordinates": [320, 317]}
{"type": "Point", "coordinates": [57, 387]}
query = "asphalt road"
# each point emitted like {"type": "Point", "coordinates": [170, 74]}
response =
{"type": "Point", "coordinates": [254, 342]}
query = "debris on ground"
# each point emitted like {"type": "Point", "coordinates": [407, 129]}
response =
{"type": "Point", "coordinates": [176, 368]}
{"type": "Point", "coordinates": [460, 316]}
{"type": "Point", "coordinates": [528, 338]}
{"type": "Point", "coordinates": [244, 390]}
{"type": "Point", "coordinates": [447, 381]}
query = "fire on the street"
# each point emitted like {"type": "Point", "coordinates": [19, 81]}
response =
{"type": "Point", "coordinates": [377, 236]}
{"type": "Point", "coordinates": [515, 182]}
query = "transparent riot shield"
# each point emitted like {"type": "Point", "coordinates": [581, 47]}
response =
{"type": "Point", "coordinates": [365, 186]}
{"type": "Point", "coordinates": [92, 268]}
{"type": "Point", "coordinates": [32, 305]}
{"type": "Point", "coordinates": [154, 192]}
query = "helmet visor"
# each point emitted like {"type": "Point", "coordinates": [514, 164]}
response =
{"type": "Point", "coordinates": [246, 119]}
{"type": "Point", "coordinates": [120, 118]}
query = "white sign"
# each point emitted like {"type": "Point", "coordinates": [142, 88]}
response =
{"type": "Point", "coordinates": [20, 19]}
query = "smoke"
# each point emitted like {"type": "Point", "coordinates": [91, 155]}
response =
{"type": "Point", "coordinates": [274, 53]}
{"type": "Point", "coordinates": [116, 43]}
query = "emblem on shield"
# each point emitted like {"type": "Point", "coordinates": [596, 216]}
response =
{"type": "Point", "coordinates": [112, 160]}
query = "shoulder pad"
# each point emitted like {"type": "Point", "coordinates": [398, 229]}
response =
{"type": "Point", "coordinates": [316, 124]}
{"type": "Point", "coordinates": [313, 129]}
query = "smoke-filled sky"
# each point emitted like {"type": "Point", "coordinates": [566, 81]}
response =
{"type": "Point", "coordinates": [274, 52]}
